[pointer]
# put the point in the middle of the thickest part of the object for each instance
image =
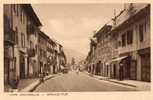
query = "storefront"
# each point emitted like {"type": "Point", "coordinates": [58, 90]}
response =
{"type": "Point", "coordinates": [98, 68]}
{"type": "Point", "coordinates": [120, 68]}
{"type": "Point", "coordinates": [145, 64]}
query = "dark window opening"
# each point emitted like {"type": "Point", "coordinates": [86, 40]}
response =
{"type": "Point", "coordinates": [141, 34]}
{"type": "Point", "coordinates": [123, 40]}
{"type": "Point", "coordinates": [129, 36]}
{"type": "Point", "coordinates": [16, 35]}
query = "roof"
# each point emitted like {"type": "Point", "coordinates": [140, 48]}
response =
{"type": "Point", "coordinates": [42, 34]}
{"type": "Point", "coordinates": [104, 29]}
{"type": "Point", "coordinates": [127, 21]}
{"type": "Point", "coordinates": [28, 8]}
{"type": "Point", "coordinates": [51, 41]}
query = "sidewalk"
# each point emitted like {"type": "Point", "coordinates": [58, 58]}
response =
{"type": "Point", "coordinates": [32, 84]}
{"type": "Point", "coordinates": [26, 82]}
{"type": "Point", "coordinates": [139, 85]}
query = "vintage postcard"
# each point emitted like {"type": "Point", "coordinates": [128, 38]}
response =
{"type": "Point", "coordinates": [70, 48]}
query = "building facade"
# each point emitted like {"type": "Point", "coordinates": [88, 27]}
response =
{"type": "Point", "coordinates": [18, 23]}
{"type": "Point", "coordinates": [33, 28]}
{"type": "Point", "coordinates": [60, 57]}
{"type": "Point", "coordinates": [42, 52]}
{"type": "Point", "coordinates": [134, 41]}
{"type": "Point", "coordinates": [28, 52]}
{"type": "Point", "coordinates": [50, 55]}
{"type": "Point", "coordinates": [9, 43]}
{"type": "Point", "coordinates": [123, 50]}
{"type": "Point", "coordinates": [17, 32]}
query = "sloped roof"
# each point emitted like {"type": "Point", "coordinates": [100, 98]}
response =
{"type": "Point", "coordinates": [104, 29]}
{"type": "Point", "coordinates": [28, 8]}
{"type": "Point", "coordinates": [125, 20]}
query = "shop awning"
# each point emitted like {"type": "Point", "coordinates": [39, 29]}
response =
{"type": "Point", "coordinates": [119, 58]}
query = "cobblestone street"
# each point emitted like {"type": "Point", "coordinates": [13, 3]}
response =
{"type": "Point", "coordinates": [73, 82]}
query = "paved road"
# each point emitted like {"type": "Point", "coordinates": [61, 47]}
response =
{"type": "Point", "coordinates": [73, 82]}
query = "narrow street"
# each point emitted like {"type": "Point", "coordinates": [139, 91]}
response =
{"type": "Point", "coordinates": [73, 82]}
{"type": "Point", "coordinates": [42, 42]}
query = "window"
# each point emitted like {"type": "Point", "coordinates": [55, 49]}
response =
{"type": "Point", "coordinates": [36, 47]}
{"type": "Point", "coordinates": [115, 45]}
{"type": "Point", "coordinates": [145, 26]}
{"type": "Point", "coordinates": [14, 8]}
{"type": "Point", "coordinates": [123, 40]}
{"type": "Point", "coordinates": [17, 9]}
{"type": "Point", "coordinates": [43, 54]}
{"type": "Point", "coordinates": [129, 36]}
{"type": "Point", "coordinates": [31, 45]}
{"type": "Point", "coordinates": [22, 40]}
{"type": "Point", "coordinates": [141, 34]}
{"type": "Point", "coordinates": [40, 53]}
{"type": "Point", "coordinates": [16, 35]}
{"type": "Point", "coordinates": [21, 15]}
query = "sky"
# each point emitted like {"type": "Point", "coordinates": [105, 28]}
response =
{"type": "Point", "coordinates": [72, 25]}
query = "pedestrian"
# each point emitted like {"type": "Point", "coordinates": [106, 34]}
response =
{"type": "Point", "coordinates": [77, 70]}
{"type": "Point", "coordinates": [121, 72]}
{"type": "Point", "coordinates": [42, 78]}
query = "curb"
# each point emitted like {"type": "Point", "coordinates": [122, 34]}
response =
{"type": "Point", "coordinates": [31, 87]}
{"type": "Point", "coordinates": [123, 83]}
{"type": "Point", "coordinates": [34, 85]}
{"type": "Point", "coordinates": [106, 79]}
{"type": "Point", "coordinates": [47, 78]}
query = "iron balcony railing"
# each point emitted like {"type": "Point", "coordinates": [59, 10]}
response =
{"type": "Point", "coordinates": [31, 29]}
{"type": "Point", "coordinates": [9, 33]}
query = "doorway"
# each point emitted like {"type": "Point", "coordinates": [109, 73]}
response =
{"type": "Point", "coordinates": [114, 70]}
{"type": "Point", "coordinates": [22, 66]}
{"type": "Point", "coordinates": [145, 67]}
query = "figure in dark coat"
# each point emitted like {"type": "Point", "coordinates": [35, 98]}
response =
{"type": "Point", "coordinates": [121, 72]}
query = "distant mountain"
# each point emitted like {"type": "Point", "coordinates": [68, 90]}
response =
{"type": "Point", "coordinates": [70, 53]}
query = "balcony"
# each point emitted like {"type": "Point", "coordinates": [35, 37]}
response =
{"type": "Point", "coordinates": [9, 35]}
{"type": "Point", "coordinates": [30, 29]}
{"type": "Point", "coordinates": [31, 52]}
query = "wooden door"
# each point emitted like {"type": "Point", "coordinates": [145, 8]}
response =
{"type": "Point", "coordinates": [22, 67]}
{"type": "Point", "coordinates": [133, 70]}
{"type": "Point", "coordinates": [145, 67]}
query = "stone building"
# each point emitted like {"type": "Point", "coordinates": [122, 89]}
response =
{"type": "Point", "coordinates": [33, 27]}
{"type": "Point", "coordinates": [90, 60]}
{"type": "Point", "coordinates": [103, 50]}
{"type": "Point", "coordinates": [50, 55]}
{"type": "Point", "coordinates": [133, 33]}
{"type": "Point", "coordinates": [60, 57]}
{"type": "Point", "coordinates": [19, 19]}
{"type": "Point", "coordinates": [42, 52]}
{"type": "Point", "coordinates": [9, 43]}
{"type": "Point", "coordinates": [28, 52]}
{"type": "Point", "coordinates": [18, 36]}
{"type": "Point", "coordinates": [124, 49]}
